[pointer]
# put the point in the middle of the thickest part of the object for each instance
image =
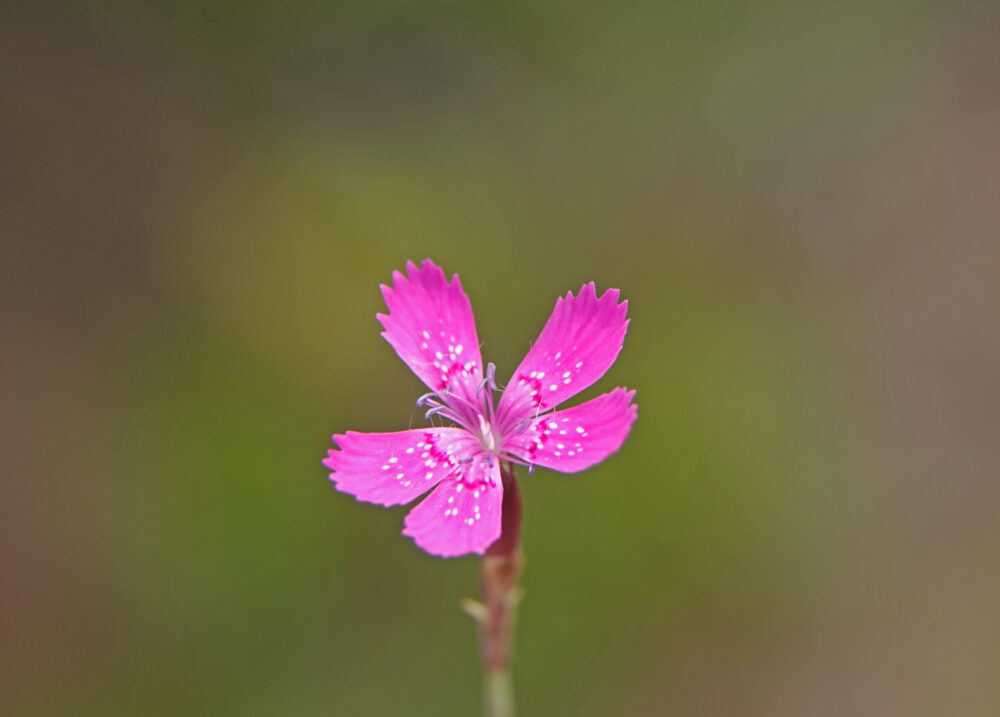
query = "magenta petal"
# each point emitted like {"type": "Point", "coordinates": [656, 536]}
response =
{"type": "Point", "coordinates": [430, 324]}
{"type": "Point", "coordinates": [462, 515]}
{"type": "Point", "coordinates": [395, 468]}
{"type": "Point", "coordinates": [579, 343]}
{"type": "Point", "coordinates": [577, 438]}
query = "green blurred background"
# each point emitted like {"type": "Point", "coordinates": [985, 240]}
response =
{"type": "Point", "coordinates": [800, 201]}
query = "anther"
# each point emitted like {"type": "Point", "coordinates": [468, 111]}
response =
{"type": "Point", "coordinates": [434, 411]}
{"type": "Point", "coordinates": [490, 380]}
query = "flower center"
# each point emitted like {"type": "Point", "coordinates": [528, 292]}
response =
{"type": "Point", "coordinates": [486, 435]}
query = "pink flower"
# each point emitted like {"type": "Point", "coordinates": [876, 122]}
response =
{"type": "Point", "coordinates": [430, 324]}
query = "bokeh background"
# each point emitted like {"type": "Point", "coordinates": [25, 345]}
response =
{"type": "Point", "coordinates": [801, 202]}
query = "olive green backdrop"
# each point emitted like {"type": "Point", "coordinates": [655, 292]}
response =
{"type": "Point", "coordinates": [799, 201]}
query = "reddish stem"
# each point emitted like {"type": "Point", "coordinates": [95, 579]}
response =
{"type": "Point", "coordinates": [498, 576]}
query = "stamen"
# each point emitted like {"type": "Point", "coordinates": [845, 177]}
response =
{"type": "Point", "coordinates": [522, 425]}
{"type": "Point", "coordinates": [426, 399]}
{"type": "Point", "coordinates": [516, 460]}
{"type": "Point", "coordinates": [460, 409]}
{"type": "Point", "coordinates": [455, 403]}
{"type": "Point", "coordinates": [491, 370]}
{"type": "Point", "coordinates": [490, 380]}
{"type": "Point", "coordinates": [443, 411]}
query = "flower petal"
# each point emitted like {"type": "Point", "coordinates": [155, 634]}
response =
{"type": "Point", "coordinates": [395, 468]}
{"type": "Point", "coordinates": [430, 324]}
{"type": "Point", "coordinates": [579, 343]}
{"type": "Point", "coordinates": [462, 515]}
{"type": "Point", "coordinates": [577, 438]}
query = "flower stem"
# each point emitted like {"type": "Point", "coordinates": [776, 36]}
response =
{"type": "Point", "coordinates": [498, 694]}
{"type": "Point", "coordinates": [499, 572]}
